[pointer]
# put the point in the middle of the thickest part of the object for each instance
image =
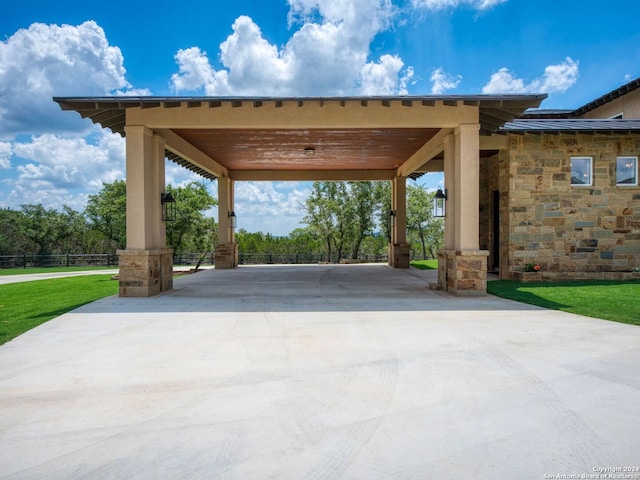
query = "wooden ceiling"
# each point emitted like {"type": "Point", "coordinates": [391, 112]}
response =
{"type": "Point", "coordinates": [316, 149]}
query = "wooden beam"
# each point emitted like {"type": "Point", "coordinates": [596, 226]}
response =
{"type": "Point", "coordinates": [310, 175]}
{"type": "Point", "coordinates": [179, 146]}
{"type": "Point", "coordinates": [494, 142]}
{"type": "Point", "coordinates": [429, 150]}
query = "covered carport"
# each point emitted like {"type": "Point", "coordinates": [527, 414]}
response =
{"type": "Point", "coordinates": [337, 138]}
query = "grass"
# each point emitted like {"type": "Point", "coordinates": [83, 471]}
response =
{"type": "Point", "coordinates": [26, 305]}
{"type": "Point", "coordinates": [425, 264]}
{"type": "Point", "coordinates": [609, 300]}
{"type": "Point", "coordinates": [28, 271]}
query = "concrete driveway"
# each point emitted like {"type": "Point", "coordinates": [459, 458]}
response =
{"type": "Point", "coordinates": [319, 372]}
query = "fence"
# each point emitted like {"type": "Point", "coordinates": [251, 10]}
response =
{"type": "Point", "coordinates": [294, 258]}
{"type": "Point", "coordinates": [111, 260]}
{"type": "Point", "coordinates": [69, 260]}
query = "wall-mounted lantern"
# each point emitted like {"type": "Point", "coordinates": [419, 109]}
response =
{"type": "Point", "coordinates": [440, 199]}
{"type": "Point", "coordinates": [168, 207]}
{"type": "Point", "coordinates": [232, 219]}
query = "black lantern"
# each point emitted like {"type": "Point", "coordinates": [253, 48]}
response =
{"type": "Point", "coordinates": [439, 203]}
{"type": "Point", "coordinates": [232, 219]}
{"type": "Point", "coordinates": [168, 207]}
{"type": "Point", "coordinates": [392, 217]}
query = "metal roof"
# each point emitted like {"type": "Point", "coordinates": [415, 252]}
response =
{"type": "Point", "coordinates": [592, 105]}
{"type": "Point", "coordinates": [566, 125]}
{"type": "Point", "coordinates": [607, 97]}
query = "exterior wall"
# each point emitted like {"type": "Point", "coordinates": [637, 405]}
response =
{"type": "Point", "coordinates": [628, 104]}
{"type": "Point", "coordinates": [571, 232]}
{"type": "Point", "coordinates": [489, 183]}
{"type": "Point", "coordinates": [494, 177]}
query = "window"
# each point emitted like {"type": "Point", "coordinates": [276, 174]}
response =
{"type": "Point", "coordinates": [627, 171]}
{"type": "Point", "coordinates": [581, 171]}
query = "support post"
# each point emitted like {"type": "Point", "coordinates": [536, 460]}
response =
{"type": "Point", "coordinates": [227, 249]}
{"type": "Point", "coordinates": [399, 249]}
{"type": "Point", "coordinates": [146, 266]}
{"type": "Point", "coordinates": [464, 269]}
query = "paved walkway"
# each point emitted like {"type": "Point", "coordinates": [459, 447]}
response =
{"type": "Point", "coordinates": [29, 277]}
{"type": "Point", "coordinates": [318, 372]}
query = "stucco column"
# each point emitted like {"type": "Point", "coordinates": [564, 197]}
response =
{"type": "Point", "coordinates": [146, 265]}
{"type": "Point", "coordinates": [450, 204]}
{"type": "Point", "coordinates": [144, 187]}
{"type": "Point", "coordinates": [466, 264]}
{"type": "Point", "coordinates": [449, 186]}
{"type": "Point", "coordinates": [399, 249]}
{"type": "Point", "coordinates": [466, 195]}
{"type": "Point", "coordinates": [226, 250]}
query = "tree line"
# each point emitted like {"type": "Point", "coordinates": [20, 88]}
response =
{"type": "Point", "coordinates": [101, 227]}
{"type": "Point", "coordinates": [342, 220]}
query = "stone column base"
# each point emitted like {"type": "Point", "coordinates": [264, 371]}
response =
{"type": "Point", "coordinates": [463, 274]}
{"type": "Point", "coordinates": [399, 254]}
{"type": "Point", "coordinates": [226, 256]}
{"type": "Point", "coordinates": [144, 273]}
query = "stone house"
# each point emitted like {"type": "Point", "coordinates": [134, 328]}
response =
{"type": "Point", "coordinates": [562, 192]}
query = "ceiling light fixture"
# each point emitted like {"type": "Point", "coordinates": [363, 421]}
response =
{"type": "Point", "coordinates": [309, 151]}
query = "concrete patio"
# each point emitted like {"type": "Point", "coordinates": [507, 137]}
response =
{"type": "Point", "coordinates": [318, 372]}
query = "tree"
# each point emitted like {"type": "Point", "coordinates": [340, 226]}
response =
{"type": "Point", "coordinates": [12, 239]}
{"type": "Point", "coordinates": [421, 222]}
{"type": "Point", "coordinates": [346, 214]}
{"type": "Point", "coordinates": [383, 199]}
{"type": "Point", "coordinates": [362, 203]}
{"type": "Point", "coordinates": [191, 230]}
{"type": "Point", "coordinates": [107, 213]}
{"type": "Point", "coordinates": [46, 229]}
{"type": "Point", "coordinates": [319, 217]}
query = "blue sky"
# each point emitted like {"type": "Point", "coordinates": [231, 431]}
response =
{"type": "Point", "coordinates": [574, 51]}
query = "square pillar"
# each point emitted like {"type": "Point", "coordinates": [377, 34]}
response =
{"type": "Point", "coordinates": [399, 249]}
{"type": "Point", "coordinates": [466, 207]}
{"type": "Point", "coordinates": [146, 266]}
{"type": "Point", "coordinates": [462, 266]}
{"type": "Point", "coordinates": [227, 249]}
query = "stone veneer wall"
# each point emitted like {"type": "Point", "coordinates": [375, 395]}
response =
{"type": "Point", "coordinates": [489, 182]}
{"type": "Point", "coordinates": [571, 232]}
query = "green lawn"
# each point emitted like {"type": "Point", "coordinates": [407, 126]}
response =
{"type": "Point", "coordinates": [609, 300]}
{"type": "Point", "coordinates": [26, 305]}
{"type": "Point", "coordinates": [425, 264]}
{"type": "Point", "coordinates": [28, 271]}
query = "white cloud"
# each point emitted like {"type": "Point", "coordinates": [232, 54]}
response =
{"type": "Point", "coordinates": [178, 176]}
{"type": "Point", "coordinates": [443, 81]}
{"type": "Point", "coordinates": [53, 170]}
{"type": "Point", "coordinates": [5, 155]}
{"type": "Point", "coordinates": [442, 4]}
{"type": "Point", "coordinates": [383, 77]}
{"type": "Point", "coordinates": [559, 78]}
{"type": "Point", "coordinates": [274, 207]}
{"type": "Point", "coordinates": [326, 55]}
{"type": "Point", "coordinates": [50, 60]}
{"type": "Point", "coordinates": [195, 71]}
{"type": "Point", "coordinates": [556, 79]}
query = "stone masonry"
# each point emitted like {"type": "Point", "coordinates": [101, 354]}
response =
{"type": "Point", "coordinates": [144, 273]}
{"type": "Point", "coordinates": [571, 232]}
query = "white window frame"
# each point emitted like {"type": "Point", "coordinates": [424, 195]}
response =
{"type": "Point", "coordinates": [590, 178]}
{"type": "Point", "coordinates": [634, 161]}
